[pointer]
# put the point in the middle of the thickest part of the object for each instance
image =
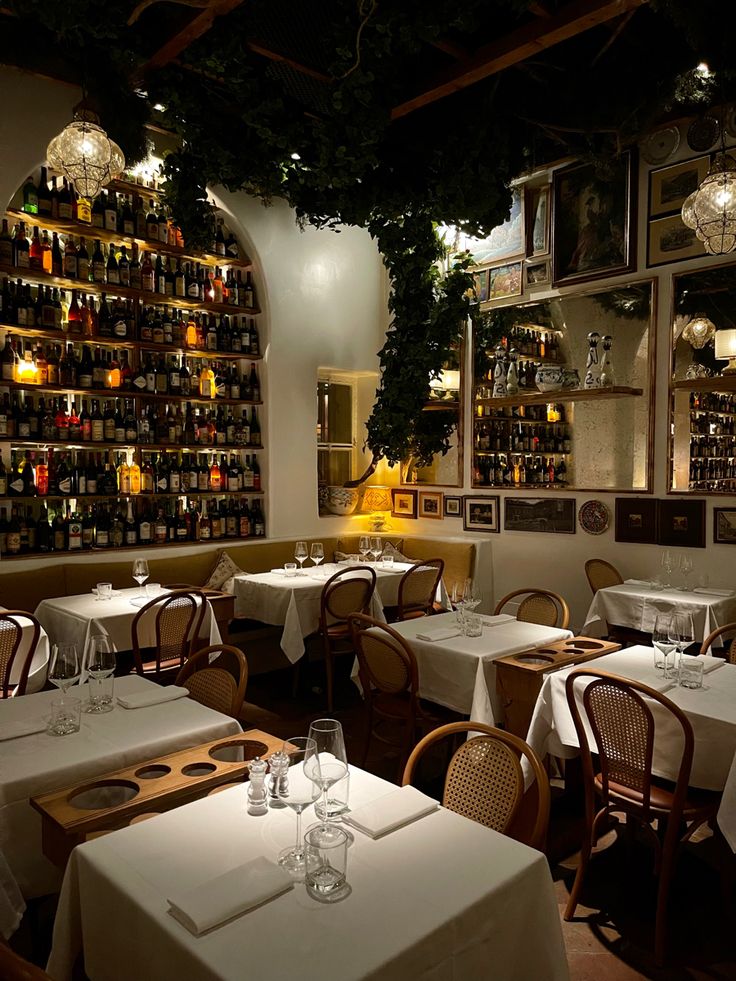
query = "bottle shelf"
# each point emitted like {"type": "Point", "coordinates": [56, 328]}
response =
{"type": "Point", "coordinates": [193, 352]}
{"type": "Point", "coordinates": [513, 487]}
{"type": "Point", "coordinates": [725, 384]}
{"type": "Point", "coordinates": [513, 420]}
{"type": "Point", "coordinates": [92, 232]}
{"type": "Point", "coordinates": [522, 452]}
{"type": "Point", "coordinates": [42, 444]}
{"type": "Point", "coordinates": [117, 496]}
{"type": "Point", "coordinates": [97, 550]}
{"type": "Point", "coordinates": [121, 393]}
{"type": "Point", "coordinates": [126, 292]}
{"type": "Point", "coordinates": [564, 395]}
{"type": "Point", "coordinates": [441, 405]}
{"type": "Point", "coordinates": [713, 412]}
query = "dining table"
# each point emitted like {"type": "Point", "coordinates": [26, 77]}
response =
{"type": "Point", "coordinates": [458, 671]}
{"type": "Point", "coordinates": [637, 602]}
{"type": "Point", "coordinates": [39, 662]}
{"type": "Point", "coordinates": [74, 619]}
{"type": "Point", "coordinates": [442, 897]}
{"type": "Point", "coordinates": [710, 709]}
{"type": "Point", "coordinates": [38, 762]}
{"type": "Point", "coordinates": [293, 601]}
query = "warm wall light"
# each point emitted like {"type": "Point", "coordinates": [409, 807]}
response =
{"type": "Point", "coordinates": [377, 501]}
{"type": "Point", "coordinates": [726, 348]}
{"type": "Point", "coordinates": [447, 385]}
{"type": "Point", "coordinates": [711, 209]}
{"type": "Point", "coordinates": [85, 154]}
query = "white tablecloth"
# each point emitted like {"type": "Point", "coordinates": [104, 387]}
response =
{"type": "Point", "coordinates": [73, 619]}
{"type": "Point", "coordinates": [443, 898]}
{"type": "Point", "coordinates": [40, 763]}
{"type": "Point", "coordinates": [40, 662]}
{"type": "Point", "coordinates": [710, 709]}
{"type": "Point", "coordinates": [636, 606]}
{"type": "Point", "coordinates": [294, 600]}
{"type": "Point", "coordinates": [460, 672]}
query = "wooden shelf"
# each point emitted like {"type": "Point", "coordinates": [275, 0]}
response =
{"type": "Point", "coordinates": [129, 548]}
{"type": "Point", "coordinates": [564, 395]}
{"type": "Point", "coordinates": [146, 447]}
{"type": "Point", "coordinates": [440, 405]}
{"type": "Point", "coordinates": [515, 487]}
{"type": "Point", "coordinates": [121, 393]}
{"type": "Point", "coordinates": [723, 383]}
{"type": "Point", "coordinates": [522, 452]}
{"type": "Point", "coordinates": [170, 496]}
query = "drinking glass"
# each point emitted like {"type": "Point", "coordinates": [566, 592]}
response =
{"type": "Point", "coordinates": [667, 566]}
{"type": "Point", "coordinates": [317, 552]}
{"type": "Point", "coordinates": [681, 634]}
{"type": "Point", "coordinates": [364, 546]}
{"type": "Point", "coordinates": [457, 599]}
{"type": "Point", "coordinates": [661, 642]}
{"type": "Point", "coordinates": [328, 861]}
{"type": "Point", "coordinates": [140, 573]}
{"type": "Point", "coordinates": [471, 596]}
{"type": "Point", "coordinates": [686, 568]}
{"type": "Point", "coordinates": [64, 667]}
{"type": "Point", "coordinates": [301, 554]}
{"type": "Point", "coordinates": [376, 548]}
{"type": "Point", "coordinates": [298, 790]}
{"type": "Point", "coordinates": [331, 766]}
{"type": "Point", "coordinates": [100, 665]}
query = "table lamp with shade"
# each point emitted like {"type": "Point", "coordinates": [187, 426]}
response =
{"type": "Point", "coordinates": [377, 501]}
{"type": "Point", "coordinates": [447, 386]}
{"type": "Point", "coordinates": [726, 349]}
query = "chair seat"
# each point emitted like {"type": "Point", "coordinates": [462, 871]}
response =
{"type": "Point", "coordinates": [338, 631]}
{"type": "Point", "coordinates": [697, 803]}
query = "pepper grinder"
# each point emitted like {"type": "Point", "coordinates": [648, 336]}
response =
{"type": "Point", "coordinates": [278, 765]}
{"type": "Point", "coordinates": [257, 786]}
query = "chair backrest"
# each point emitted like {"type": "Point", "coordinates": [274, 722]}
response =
{"type": "Point", "coordinates": [347, 592]}
{"type": "Point", "coordinates": [539, 606]}
{"type": "Point", "coordinates": [622, 725]}
{"type": "Point", "coordinates": [13, 967]}
{"type": "Point", "coordinates": [601, 574]}
{"type": "Point", "coordinates": [11, 640]}
{"type": "Point", "coordinates": [216, 687]}
{"type": "Point", "coordinates": [178, 619]}
{"type": "Point", "coordinates": [418, 587]}
{"type": "Point", "coordinates": [485, 781]}
{"type": "Point", "coordinates": [386, 662]}
{"type": "Point", "coordinates": [730, 647]}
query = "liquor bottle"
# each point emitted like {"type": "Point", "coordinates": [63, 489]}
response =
{"type": "Point", "coordinates": [21, 247]}
{"type": "Point", "coordinates": [181, 530]}
{"type": "Point", "coordinates": [131, 529]}
{"type": "Point", "coordinates": [119, 424]}
{"type": "Point", "coordinates": [255, 429]}
{"type": "Point", "coordinates": [145, 528]}
{"type": "Point", "coordinates": [44, 195]}
{"type": "Point", "coordinates": [244, 529]}
{"type": "Point", "coordinates": [74, 531]}
{"type": "Point", "coordinates": [162, 475]}
{"type": "Point", "coordinates": [135, 478]}
{"type": "Point", "coordinates": [249, 292]}
{"type": "Point", "coordinates": [160, 531]}
{"type": "Point", "coordinates": [258, 520]}
{"type": "Point", "coordinates": [12, 537]}
{"type": "Point", "coordinates": [75, 424]}
{"type": "Point", "coordinates": [30, 197]}
{"type": "Point", "coordinates": [215, 476]}
{"type": "Point", "coordinates": [66, 206]}
{"type": "Point", "coordinates": [205, 525]}
{"type": "Point", "coordinates": [88, 528]}
{"type": "Point", "coordinates": [113, 270]}
{"type": "Point", "coordinates": [111, 211]}
{"type": "Point", "coordinates": [254, 384]}
{"type": "Point", "coordinates": [254, 342]}
{"type": "Point", "coordinates": [163, 226]}
{"type": "Point", "coordinates": [102, 528]}
{"type": "Point", "coordinates": [83, 264]}
{"type": "Point", "coordinates": [148, 276]}
{"type": "Point", "coordinates": [6, 247]}
{"type": "Point", "coordinates": [35, 251]}
{"type": "Point", "coordinates": [8, 360]}
{"type": "Point", "coordinates": [206, 382]}
{"type": "Point", "coordinates": [123, 267]}
{"type": "Point", "coordinates": [98, 212]}
{"type": "Point", "coordinates": [127, 217]}
{"type": "Point", "coordinates": [147, 476]}
{"type": "Point", "coordinates": [140, 218]}
{"type": "Point", "coordinates": [57, 258]}
{"type": "Point", "coordinates": [256, 473]}
{"type": "Point", "coordinates": [123, 476]}
{"type": "Point", "coordinates": [43, 530]}
{"type": "Point", "coordinates": [98, 263]}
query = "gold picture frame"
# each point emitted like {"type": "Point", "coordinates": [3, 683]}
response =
{"type": "Point", "coordinates": [430, 504]}
{"type": "Point", "coordinates": [670, 186]}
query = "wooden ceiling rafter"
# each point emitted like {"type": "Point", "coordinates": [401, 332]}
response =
{"type": "Point", "coordinates": [257, 48]}
{"type": "Point", "coordinates": [520, 44]}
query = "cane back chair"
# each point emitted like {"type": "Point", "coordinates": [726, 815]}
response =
{"type": "Point", "coordinates": [418, 588]}
{"type": "Point", "coordinates": [343, 594]}
{"type": "Point", "coordinates": [539, 606]}
{"type": "Point", "coordinates": [178, 619]}
{"type": "Point", "coordinates": [213, 686]}
{"type": "Point", "coordinates": [730, 646]}
{"type": "Point", "coordinates": [601, 574]}
{"type": "Point", "coordinates": [15, 666]}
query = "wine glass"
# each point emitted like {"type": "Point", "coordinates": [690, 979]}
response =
{"type": "Point", "coordinates": [667, 566]}
{"type": "Point", "coordinates": [328, 767]}
{"type": "Point", "coordinates": [100, 664]}
{"type": "Point", "coordinates": [661, 642]}
{"type": "Point", "coordinates": [686, 568]}
{"type": "Point", "coordinates": [457, 599]}
{"type": "Point", "coordinates": [364, 546]}
{"type": "Point", "coordinates": [140, 573]}
{"type": "Point", "coordinates": [376, 548]}
{"type": "Point", "coordinates": [301, 554]}
{"type": "Point", "coordinates": [298, 790]}
{"type": "Point", "coordinates": [317, 553]}
{"type": "Point", "coordinates": [471, 596]}
{"type": "Point", "coordinates": [64, 667]}
{"type": "Point", "coordinates": [682, 634]}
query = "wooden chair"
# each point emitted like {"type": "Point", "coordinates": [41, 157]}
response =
{"type": "Point", "coordinates": [214, 686]}
{"type": "Point", "coordinates": [13, 967]}
{"type": "Point", "coordinates": [484, 780]}
{"type": "Point", "coordinates": [601, 574]}
{"type": "Point", "coordinates": [729, 649]}
{"type": "Point", "coordinates": [540, 606]}
{"type": "Point", "coordinates": [11, 638]}
{"type": "Point", "coordinates": [343, 594]}
{"type": "Point", "coordinates": [178, 620]}
{"type": "Point", "coordinates": [389, 677]}
{"type": "Point", "coordinates": [618, 712]}
{"type": "Point", "coordinates": [418, 588]}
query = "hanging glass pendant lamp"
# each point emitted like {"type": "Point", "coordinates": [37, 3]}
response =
{"type": "Point", "coordinates": [711, 209]}
{"type": "Point", "coordinates": [699, 331]}
{"type": "Point", "coordinates": [85, 154]}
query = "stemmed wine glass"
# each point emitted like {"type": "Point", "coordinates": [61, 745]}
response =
{"type": "Point", "coordinates": [64, 667]}
{"type": "Point", "coordinates": [458, 599]}
{"type": "Point", "coordinates": [661, 642]}
{"type": "Point", "coordinates": [140, 573]}
{"type": "Point", "coordinates": [667, 566]}
{"type": "Point", "coordinates": [364, 546]}
{"type": "Point", "coordinates": [376, 548]}
{"type": "Point", "coordinates": [100, 664]}
{"type": "Point", "coordinates": [298, 789]}
{"type": "Point", "coordinates": [301, 554]}
{"type": "Point", "coordinates": [327, 768]}
{"type": "Point", "coordinates": [686, 568]}
{"type": "Point", "coordinates": [471, 596]}
{"type": "Point", "coordinates": [681, 634]}
{"type": "Point", "coordinates": [317, 553]}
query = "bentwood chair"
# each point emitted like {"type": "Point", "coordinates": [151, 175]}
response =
{"type": "Point", "coordinates": [343, 594]}
{"type": "Point", "coordinates": [484, 780]}
{"type": "Point", "coordinates": [178, 619]}
{"type": "Point", "coordinates": [216, 687]}
{"type": "Point", "coordinates": [418, 588]}
{"type": "Point", "coordinates": [601, 574]}
{"type": "Point", "coordinates": [730, 645]}
{"type": "Point", "coordinates": [14, 665]}
{"type": "Point", "coordinates": [539, 606]}
{"type": "Point", "coordinates": [619, 715]}
{"type": "Point", "coordinates": [389, 677]}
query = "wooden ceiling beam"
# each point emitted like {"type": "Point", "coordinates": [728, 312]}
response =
{"type": "Point", "coordinates": [525, 42]}
{"type": "Point", "coordinates": [455, 51]}
{"type": "Point", "coordinates": [257, 48]}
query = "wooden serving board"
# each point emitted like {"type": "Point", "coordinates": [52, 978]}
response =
{"type": "Point", "coordinates": [519, 677]}
{"type": "Point", "coordinates": [109, 801]}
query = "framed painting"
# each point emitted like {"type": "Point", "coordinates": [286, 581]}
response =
{"type": "Point", "coordinates": [540, 514]}
{"type": "Point", "coordinates": [537, 273]}
{"type": "Point", "coordinates": [670, 240]}
{"type": "Point", "coordinates": [453, 507]}
{"type": "Point", "coordinates": [537, 220]}
{"type": "Point", "coordinates": [480, 281]}
{"type": "Point", "coordinates": [681, 523]}
{"type": "Point", "coordinates": [593, 222]}
{"type": "Point", "coordinates": [430, 504]}
{"type": "Point", "coordinates": [636, 520]}
{"type": "Point", "coordinates": [505, 240]}
{"type": "Point", "coordinates": [724, 526]}
{"type": "Point", "coordinates": [481, 514]}
{"type": "Point", "coordinates": [404, 503]}
{"type": "Point", "coordinates": [504, 281]}
{"type": "Point", "coordinates": [669, 186]}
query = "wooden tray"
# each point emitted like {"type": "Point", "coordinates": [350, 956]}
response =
{"type": "Point", "coordinates": [109, 801]}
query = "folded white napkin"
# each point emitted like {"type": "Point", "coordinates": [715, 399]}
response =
{"type": "Point", "coordinates": [638, 582]}
{"type": "Point", "coordinates": [143, 699]}
{"type": "Point", "coordinates": [709, 663]}
{"type": "Point", "coordinates": [713, 590]}
{"type": "Point", "coordinates": [230, 894]}
{"type": "Point", "coordinates": [279, 572]}
{"type": "Point", "coordinates": [14, 730]}
{"type": "Point", "coordinates": [494, 621]}
{"type": "Point", "coordinates": [392, 811]}
{"type": "Point", "coordinates": [441, 633]}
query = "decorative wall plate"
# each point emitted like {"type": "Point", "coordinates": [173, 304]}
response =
{"type": "Point", "coordinates": [703, 133]}
{"type": "Point", "coordinates": [594, 517]}
{"type": "Point", "coordinates": [660, 145]}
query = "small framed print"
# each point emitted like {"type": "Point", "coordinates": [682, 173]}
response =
{"type": "Point", "coordinates": [481, 514]}
{"type": "Point", "coordinates": [453, 507]}
{"type": "Point", "coordinates": [636, 520]}
{"type": "Point", "coordinates": [505, 240]}
{"type": "Point", "coordinates": [670, 240]}
{"type": "Point", "coordinates": [504, 281]}
{"type": "Point", "coordinates": [537, 273]}
{"type": "Point", "coordinates": [681, 523]}
{"type": "Point", "coordinates": [430, 504]}
{"type": "Point", "coordinates": [404, 503]}
{"type": "Point", "coordinates": [669, 186]}
{"type": "Point", "coordinates": [724, 526]}
{"type": "Point", "coordinates": [537, 221]}
{"type": "Point", "coordinates": [548, 514]}
{"type": "Point", "coordinates": [480, 280]}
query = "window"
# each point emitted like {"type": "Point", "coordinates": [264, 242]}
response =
{"type": "Point", "coordinates": [336, 425]}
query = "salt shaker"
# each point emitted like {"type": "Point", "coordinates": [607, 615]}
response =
{"type": "Point", "coordinates": [279, 764]}
{"type": "Point", "coordinates": [257, 786]}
